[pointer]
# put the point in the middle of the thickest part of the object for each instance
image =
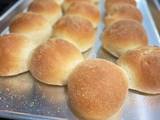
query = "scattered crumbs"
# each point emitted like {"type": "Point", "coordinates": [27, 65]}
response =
{"type": "Point", "coordinates": [31, 104]}
{"type": "Point", "coordinates": [7, 106]}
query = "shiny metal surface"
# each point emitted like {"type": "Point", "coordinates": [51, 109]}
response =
{"type": "Point", "coordinates": [22, 97]}
{"type": "Point", "coordinates": [16, 8]}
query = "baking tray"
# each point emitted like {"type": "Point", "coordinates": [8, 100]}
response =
{"type": "Point", "coordinates": [14, 9]}
{"type": "Point", "coordinates": [22, 97]}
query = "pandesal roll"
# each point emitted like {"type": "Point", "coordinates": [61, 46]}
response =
{"type": "Point", "coordinates": [15, 53]}
{"type": "Point", "coordinates": [76, 30]}
{"type": "Point", "coordinates": [33, 25]}
{"type": "Point", "coordinates": [67, 3]}
{"type": "Point", "coordinates": [97, 89]}
{"type": "Point", "coordinates": [124, 35]}
{"type": "Point", "coordinates": [123, 11]}
{"type": "Point", "coordinates": [53, 61]}
{"type": "Point", "coordinates": [110, 3]}
{"type": "Point", "coordinates": [142, 66]}
{"type": "Point", "coordinates": [48, 9]}
{"type": "Point", "coordinates": [85, 10]}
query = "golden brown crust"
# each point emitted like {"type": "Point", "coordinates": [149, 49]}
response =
{"type": "Point", "coordinates": [85, 10]}
{"type": "Point", "coordinates": [59, 1]}
{"type": "Point", "coordinates": [97, 89]}
{"type": "Point", "coordinates": [67, 3]}
{"type": "Point", "coordinates": [26, 22]}
{"type": "Point", "coordinates": [110, 3]}
{"type": "Point", "coordinates": [15, 51]}
{"type": "Point", "coordinates": [143, 66]}
{"type": "Point", "coordinates": [53, 61]}
{"type": "Point", "coordinates": [123, 11]}
{"type": "Point", "coordinates": [124, 35]}
{"type": "Point", "coordinates": [47, 8]}
{"type": "Point", "coordinates": [33, 25]}
{"type": "Point", "coordinates": [76, 30]}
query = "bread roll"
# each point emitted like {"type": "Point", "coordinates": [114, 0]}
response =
{"type": "Point", "coordinates": [122, 36]}
{"type": "Point", "coordinates": [48, 9]}
{"type": "Point", "coordinates": [15, 52]}
{"type": "Point", "coordinates": [67, 3]}
{"type": "Point", "coordinates": [53, 61]}
{"type": "Point", "coordinates": [97, 89]}
{"type": "Point", "coordinates": [85, 10]}
{"type": "Point", "coordinates": [123, 11]}
{"type": "Point", "coordinates": [33, 25]}
{"type": "Point", "coordinates": [110, 3]}
{"type": "Point", "coordinates": [142, 66]}
{"type": "Point", "coordinates": [76, 30]}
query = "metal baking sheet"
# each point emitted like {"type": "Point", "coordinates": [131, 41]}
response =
{"type": "Point", "coordinates": [22, 97]}
{"type": "Point", "coordinates": [8, 15]}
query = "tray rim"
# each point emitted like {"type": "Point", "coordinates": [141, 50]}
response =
{"type": "Point", "coordinates": [26, 116]}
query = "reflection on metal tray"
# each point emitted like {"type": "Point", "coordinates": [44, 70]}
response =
{"type": "Point", "coordinates": [8, 9]}
{"type": "Point", "coordinates": [22, 97]}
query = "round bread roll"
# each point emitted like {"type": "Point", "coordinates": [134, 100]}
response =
{"type": "Point", "coordinates": [53, 61]}
{"type": "Point", "coordinates": [33, 25]}
{"type": "Point", "coordinates": [97, 89]}
{"type": "Point", "coordinates": [85, 10]}
{"type": "Point", "coordinates": [48, 9]}
{"type": "Point", "coordinates": [123, 11]}
{"type": "Point", "coordinates": [67, 3]}
{"type": "Point", "coordinates": [110, 3]}
{"type": "Point", "coordinates": [142, 66]}
{"type": "Point", "coordinates": [15, 52]}
{"type": "Point", "coordinates": [124, 35]}
{"type": "Point", "coordinates": [76, 30]}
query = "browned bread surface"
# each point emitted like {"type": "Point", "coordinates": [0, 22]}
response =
{"type": "Point", "coordinates": [97, 89]}
{"type": "Point", "coordinates": [142, 66]}
{"type": "Point", "coordinates": [76, 30]}
{"type": "Point", "coordinates": [124, 35]}
{"type": "Point", "coordinates": [53, 61]}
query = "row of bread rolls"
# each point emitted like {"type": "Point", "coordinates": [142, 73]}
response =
{"type": "Point", "coordinates": [96, 88]}
{"type": "Point", "coordinates": [58, 62]}
{"type": "Point", "coordinates": [53, 61]}
{"type": "Point", "coordinates": [27, 31]}
{"type": "Point", "coordinates": [94, 94]}
{"type": "Point", "coordinates": [78, 25]}
{"type": "Point", "coordinates": [125, 37]}
{"type": "Point", "coordinates": [34, 28]}
{"type": "Point", "coordinates": [123, 30]}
